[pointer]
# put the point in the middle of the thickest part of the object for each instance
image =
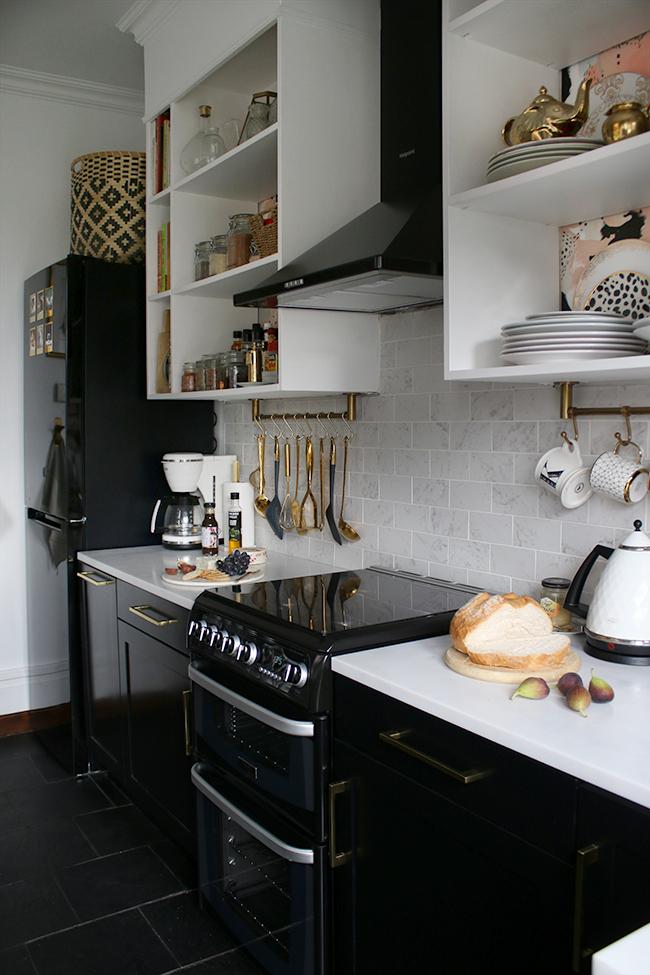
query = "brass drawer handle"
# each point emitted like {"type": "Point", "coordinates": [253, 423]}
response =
{"type": "Point", "coordinates": [101, 581]}
{"type": "Point", "coordinates": [395, 738]}
{"type": "Point", "coordinates": [584, 857]}
{"type": "Point", "coordinates": [139, 611]}
{"type": "Point", "coordinates": [336, 789]}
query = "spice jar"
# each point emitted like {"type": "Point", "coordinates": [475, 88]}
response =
{"type": "Point", "coordinates": [211, 373]}
{"type": "Point", "coordinates": [552, 596]}
{"type": "Point", "coordinates": [219, 254]}
{"type": "Point", "coordinates": [202, 252]}
{"type": "Point", "coordinates": [239, 240]}
{"type": "Point", "coordinates": [188, 380]}
{"type": "Point", "coordinates": [235, 369]}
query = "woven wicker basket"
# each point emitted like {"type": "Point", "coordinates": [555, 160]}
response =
{"type": "Point", "coordinates": [264, 229]}
{"type": "Point", "coordinates": [108, 206]}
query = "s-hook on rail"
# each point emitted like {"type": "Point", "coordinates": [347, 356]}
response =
{"type": "Point", "coordinates": [349, 414]}
{"type": "Point", "coordinates": [570, 412]}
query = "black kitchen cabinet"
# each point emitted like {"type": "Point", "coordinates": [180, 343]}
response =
{"type": "Point", "coordinates": [103, 681]}
{"type": "Point", "coordinates": [448, 871]}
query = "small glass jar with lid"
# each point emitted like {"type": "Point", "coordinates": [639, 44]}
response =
{"type": "Point", "coordinates": [202, 257]}
{"type": "Point", "coordinates": [211, 372]}
{"type": "Point", "coordinates": [188, 380]}
{"type": "Point", "coordinates": [219, 254]}
{"type": "Point", "coordinates": [239, 240]}
{"type": "Point", "coordinates": [200, 374]}
{"type": "Point", "coordinates": [235, 369]}
{"type": "Point", "coordinates": [552, 595]}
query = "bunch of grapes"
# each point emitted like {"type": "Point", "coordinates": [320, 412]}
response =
{"type": "Point", "coordinates": [234, 564]}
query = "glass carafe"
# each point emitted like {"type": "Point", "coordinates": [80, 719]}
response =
{"type": "Point", "coordinates": [204, 147]}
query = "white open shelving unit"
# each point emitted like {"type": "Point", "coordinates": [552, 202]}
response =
{"type": "Point", "coordinates": [502, 239]}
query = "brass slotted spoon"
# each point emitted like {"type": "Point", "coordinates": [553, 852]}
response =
{"type": "Point", "coordinates": [286, 514]}
{"type": "Point", "coordinates": [309, 494]}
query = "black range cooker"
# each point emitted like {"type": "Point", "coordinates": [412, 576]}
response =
{"type": "Point", "coordinates": [260, 667]}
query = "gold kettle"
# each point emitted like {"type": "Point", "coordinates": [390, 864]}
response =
{"type": "Point", "coordinates": [547, 118]}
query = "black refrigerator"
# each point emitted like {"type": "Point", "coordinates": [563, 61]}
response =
{"type": "Point", "coordinates": [93, 450]}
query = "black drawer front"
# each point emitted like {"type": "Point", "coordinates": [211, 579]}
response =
{"type": "Point", "coordinates": [516, 793]}
{"type": "Point", "coordinates": [161, 619]}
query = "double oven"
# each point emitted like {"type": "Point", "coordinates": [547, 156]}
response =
{"type": "Point", "coordinates": [260, 672]}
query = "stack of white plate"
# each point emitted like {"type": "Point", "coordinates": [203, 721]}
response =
{"type": "Point", "coordinates": [563, 335]}
{"type": "Point", "coordinates": [642, 328]}
{"type": "Point", "coordinates": [530, 155]}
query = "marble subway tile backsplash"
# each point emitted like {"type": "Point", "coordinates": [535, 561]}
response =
{"type": "Point", "coordinates": [441, 474]}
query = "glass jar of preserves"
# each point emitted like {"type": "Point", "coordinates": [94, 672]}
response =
{"type": "Point", "coordinates": [552, 596]}
{"type": "Point", "coordinates": [188, 380]}
{"type": "Point", "coordinates": [202, 253]}
{"type": "Point", "coordinates": [238, 240]}
{"type": "Point", "coordinates": [219, 254]}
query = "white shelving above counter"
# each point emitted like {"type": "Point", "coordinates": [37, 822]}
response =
{"type": "Point", "coordinates": [502, 240]}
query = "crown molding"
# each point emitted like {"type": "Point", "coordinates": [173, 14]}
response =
{"type": "Point", "coordinates": [146, 17]}
{"type": "Point", "coordinates": [38, 84]}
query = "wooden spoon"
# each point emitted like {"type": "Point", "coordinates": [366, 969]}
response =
{"type": "Point", "coordinates": [261, 501]}
{"type": "Point", "coordinates": [346, 530]}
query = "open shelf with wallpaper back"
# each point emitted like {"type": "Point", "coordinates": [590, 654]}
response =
{"type": "Point", "coordinates": [291, 158]}
{"type": "Point", "coordinates": [502, 238]}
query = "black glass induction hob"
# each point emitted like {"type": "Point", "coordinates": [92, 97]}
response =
{"type": "Point", "coordinates": [282, 633]}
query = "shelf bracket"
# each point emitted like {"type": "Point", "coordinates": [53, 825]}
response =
{"type": "Point", "coordinates": [570, 412]}
{"type": "Point", "coordinates": [349, 414]}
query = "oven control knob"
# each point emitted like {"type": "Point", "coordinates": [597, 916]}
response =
{"type": "Point", "coordinates": [295, 674]}
{"type": "Point", "coordinates": [248, 653]}
{"type": "Point", "coordinates": [231, 644]}
{"type": "Point", "coordinates": [213, 635]}
{"type": "Point", "coordinates": [202, 627]}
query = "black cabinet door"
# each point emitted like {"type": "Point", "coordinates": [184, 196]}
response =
{"type": "Point", "coordinates": [159, 752]}
{"type": "Point", "coordinates": [431, 887]}
{"type": "Point", "coordinates": [102, 671]}
{"type": "Point", "coordinates": [612, 871]}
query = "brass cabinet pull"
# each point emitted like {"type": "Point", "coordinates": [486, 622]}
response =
{"type": "Point", "coordinates": [101, 581]}
{"type": "Point", "coordinates": [336, 789]}
{"type": "Point", "coordinates": [139, 611]}
{"type": "Point", "coordinates": [187, 711]}
{"type": "Point", "coordinates": [395, 738]}
{"type": "Point", "coordinates": [584, 857]}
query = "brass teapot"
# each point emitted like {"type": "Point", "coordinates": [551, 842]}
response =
{"type": "Point", "coordinates": [547, 118]}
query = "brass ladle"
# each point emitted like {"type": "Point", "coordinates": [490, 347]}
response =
{"type": "Point", "coordinates": [261, 501]}
{"type": "Point", "coordinates": [347, 589]}
{"type": "Point", "coordinates": [346, 530]}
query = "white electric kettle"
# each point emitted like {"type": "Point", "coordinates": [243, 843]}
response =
{"type": "Point", "coordinates": [618, 617]}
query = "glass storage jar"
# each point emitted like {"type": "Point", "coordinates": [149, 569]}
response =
{"type": "Point", "coordinates": [188, 380]}
{"type": "Point", "coordinates": [551, 597]}
{"type": "Point", "coordinates": [235, 369]}
{"type": "Point", "coordinates": [204, 147]}
{"type": "Point", "coordinates": [202, 259]}
{"type": "Point", "coordinates": [211, 372]}
{"type": "Point", "coordinates": [219, 254]}
{"type": "Point", "coordinates": [239, 240]}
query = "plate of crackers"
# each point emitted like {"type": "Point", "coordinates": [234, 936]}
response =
{"type": "Point", "coordinates": [209, 578]}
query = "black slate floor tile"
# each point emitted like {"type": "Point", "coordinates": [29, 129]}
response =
{"type": "Point", "coordinates": [30, 852]}
{"type": "Point", "coordinates": [123, 944]}
{"type": "Point", "coordinates": [57, 800]}
{"type": "Point", "coordinates": [16, 961]}
{"type": "Point", "coordinates": [233, 963]}
{"type": "Point", "coordinates": [49, 767]}
{"type": "Point", "coordinates": [9, 818]}
{"type": "Point", "coordinates": [117, 829]}
{"type": "Point", "coordinates": [186, 930]}
{"type": "Point", "coordinates": [19, 772]}
{"type": "Point", "coordinates": [31, 908]}
{"type": "Point", "coordinates": [178, 862]}
{"type": "Point", "coordinates": [116, 882]}
{"type": "Point", "coordinates": [111, 790]}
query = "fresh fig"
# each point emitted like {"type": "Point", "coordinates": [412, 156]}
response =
{"type": "Point", "coordinates": [567, 681]}
{"type": "Point", "coordinates": [185, 567]}
{"type": "Point", "coordinates": [578, 699]}
{"type": "Point", "coordinates": [533, 687]}
{"type": "Point", "coordinates": [171, 572]}
{"type": "Point", "coordinates": [600, 690]}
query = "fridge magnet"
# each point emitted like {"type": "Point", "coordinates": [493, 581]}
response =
{"type": "Point", "coordinates": [605, 264]}
{"type": "Point", "coordinates": [49, 340]}
{"type": "Point", "coordinates": [32, 341]}
{"type": "Point", "coordinates": [40, 305]}
{"type": "Point", "coordinates": [32, 308]}
{"type": "Point", "coordinates": [39, 340]}
{"type": "Point", "coordinates": [49, 301]}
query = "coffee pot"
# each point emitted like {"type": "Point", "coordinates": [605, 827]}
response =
{"type": "Point", "coordinates": [179, 515]}
{"type": "Point", "coordinates": [548, 118]}
{"type": "Point", "coordinates": [618, 618]}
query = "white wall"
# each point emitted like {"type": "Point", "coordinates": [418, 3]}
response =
{"type": "Point", "coordinates": [45, 123]}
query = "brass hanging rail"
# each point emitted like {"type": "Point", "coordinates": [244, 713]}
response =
{"type": "Point", "coordinates": [570, 412]}
{"type": "Point", "coordinates": [349, 414]}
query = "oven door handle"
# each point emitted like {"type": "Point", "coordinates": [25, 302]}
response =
{"type": "Point", "coordinates": [298, 729]}
{"type": "Point", "coordinates": [293, 853]}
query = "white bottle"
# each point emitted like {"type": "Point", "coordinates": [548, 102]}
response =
{"type": "Point", "coordinates": [246, 498]}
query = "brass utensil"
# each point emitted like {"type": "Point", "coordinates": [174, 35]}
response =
{"type": "Point", "coordinates": [301, 528]}
{"type": "Point", "coordinates": [321, 523]}
{"type": "Point", "coordinates": [347, 589]}
{"type": "Point", "coordinates": [286, 516]}
{"type": "Point", "coordinates": [329, 514]}
{"type": "Point", "coordinates": [274, 508]}
{"type": "Point", "coordinates": [346, 530]}
{"type": "Point", "coordinates": [261, 501]}
{"type": "Point", "coordinates": [309, 495]}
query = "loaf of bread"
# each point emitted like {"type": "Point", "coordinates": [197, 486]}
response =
{"type": "Point", "coordinates": [507, 631]}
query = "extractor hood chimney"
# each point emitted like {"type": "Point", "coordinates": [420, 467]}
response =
{"type": "Point", "coordinates": [390, 257]}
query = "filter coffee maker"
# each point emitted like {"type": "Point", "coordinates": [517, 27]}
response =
{"type": "Point", "coordinates": [179, 515]}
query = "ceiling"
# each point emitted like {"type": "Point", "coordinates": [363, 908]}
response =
{"type": "Point", "coordinates": [73, 38]}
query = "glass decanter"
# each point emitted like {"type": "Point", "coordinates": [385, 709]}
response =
{"type": "Point", "coordinates": [204, 147]}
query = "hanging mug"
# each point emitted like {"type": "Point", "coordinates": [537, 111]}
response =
{"type": "Point", "coordinates": [620, 478]}
{"type": "Point", "coordinates": [561, 472]}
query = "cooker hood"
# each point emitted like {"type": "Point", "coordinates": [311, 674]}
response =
{"type": "Point", "coordinates": [390, 257]}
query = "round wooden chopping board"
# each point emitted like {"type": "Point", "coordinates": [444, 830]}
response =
{"type": "Point", "coordinates": [461, 663]}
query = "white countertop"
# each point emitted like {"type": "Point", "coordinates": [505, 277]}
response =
{"type": "Point", "coordinates": [145, 566]}
{"type": "Point", "coordinates": [609, 748]}
{"type": "Point", "coordinates": [629, 956]}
